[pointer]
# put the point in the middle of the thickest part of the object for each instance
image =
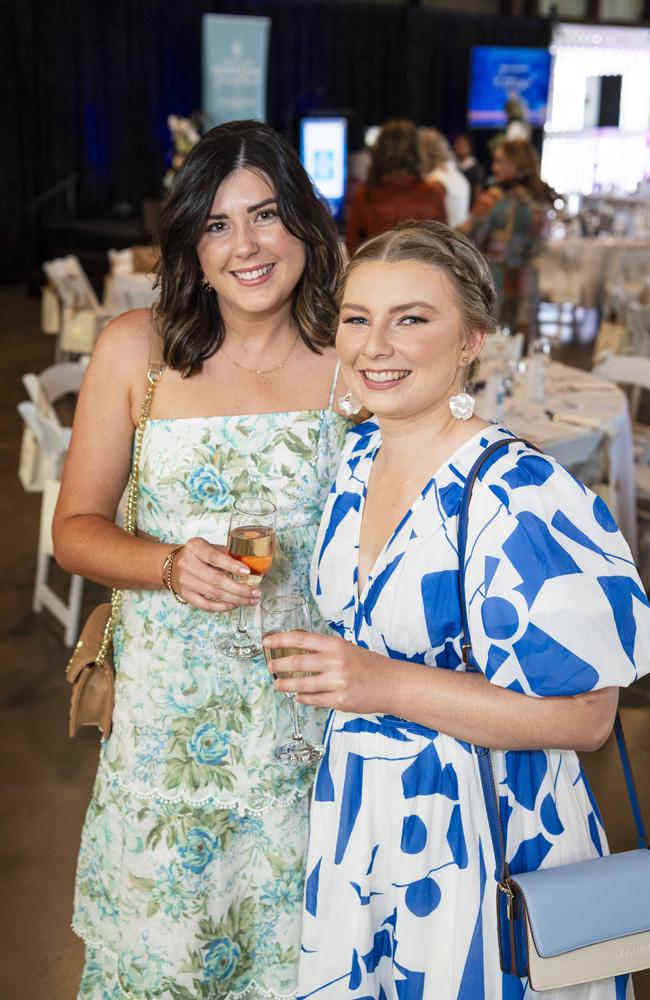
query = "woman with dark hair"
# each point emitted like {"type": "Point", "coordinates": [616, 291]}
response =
{"type": "Point", "coordinates": [507, 223]}
{"type": "Point", "coordinates": [400, 897]}
{"type": "Point", "coordinates": [190, 875]}
{"type": "Point", "coordinates": [395, 190]}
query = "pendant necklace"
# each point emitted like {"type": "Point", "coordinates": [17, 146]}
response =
{"type": "Point", "coordinates": [262, 371]}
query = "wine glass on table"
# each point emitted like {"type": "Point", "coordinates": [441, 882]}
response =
{"type": "Point", "coordinates": [251, 540]}
{"type": "Point", "coordinates": [286, 614]}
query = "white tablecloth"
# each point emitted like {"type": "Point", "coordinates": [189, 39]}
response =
{"type": "Point", "coordinates": [581, 414]}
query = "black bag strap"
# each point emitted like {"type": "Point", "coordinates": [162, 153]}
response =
{"type": "Point", "coordinates": [483, 753]}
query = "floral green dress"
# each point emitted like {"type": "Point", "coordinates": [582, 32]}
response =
{"type": "Point", "coordinates": [190, 875]}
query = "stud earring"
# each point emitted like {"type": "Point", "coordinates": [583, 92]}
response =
{"type": "Point", "coordinates": [462, 406]}
{"type": "Point", "coordinates": [465, 358]}
{"type": "Point", "coordinates": [205, 284]}
{"type": "Point", "coordinates": [349, 404]}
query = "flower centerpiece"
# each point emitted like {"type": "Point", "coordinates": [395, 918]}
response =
{"type": "Point", "coordinates": [185, 135]}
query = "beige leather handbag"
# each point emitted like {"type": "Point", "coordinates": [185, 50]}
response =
{"type": "Point", "coordinates": [90, 670]}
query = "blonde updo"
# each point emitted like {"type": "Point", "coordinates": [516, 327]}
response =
{"type": "Point", "coordinates": [445, 248]}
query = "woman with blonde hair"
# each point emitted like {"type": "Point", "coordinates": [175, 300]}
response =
{"type": "Point", "coordinates": [401, 887]}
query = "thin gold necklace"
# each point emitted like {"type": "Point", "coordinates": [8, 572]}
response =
{"type": "Point", "coordinates": [262, 371]}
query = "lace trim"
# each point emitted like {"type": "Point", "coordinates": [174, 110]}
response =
{"type": "Point", "coordinates": [252, 990]}
{"type": "Point", "coordinates": [234, 805]}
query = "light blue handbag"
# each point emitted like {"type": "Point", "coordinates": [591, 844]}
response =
{"type": "Point", "coordinates": [574, 923]}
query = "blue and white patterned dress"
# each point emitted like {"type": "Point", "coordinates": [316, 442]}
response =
{"type": "Point", "coordinates": [400, 891]}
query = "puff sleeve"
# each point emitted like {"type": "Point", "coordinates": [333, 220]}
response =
{"type": "Point", "coordinates": [556, 606]}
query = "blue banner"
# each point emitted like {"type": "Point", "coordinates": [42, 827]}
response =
{"type": "Point", "coordinates": [234, 67]}
{"type": "Point", "coordinates": [502, 72]}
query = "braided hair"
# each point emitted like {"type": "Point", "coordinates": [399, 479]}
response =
{"type": "Point", "coordinates": [454, 255]}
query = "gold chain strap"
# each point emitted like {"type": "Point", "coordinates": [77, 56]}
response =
{"type": "Point", "coordinates": [130, 517]}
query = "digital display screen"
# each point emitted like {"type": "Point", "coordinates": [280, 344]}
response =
{"type": "Point", "coordinates": [500, 72]}
{"type": "Point", "coordinates": [323, 153]}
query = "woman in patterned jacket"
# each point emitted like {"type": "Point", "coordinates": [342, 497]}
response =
{"type": "Point", "coordinates": [400, 891]}
{"type": "Point", "coordinates": [508, 223]}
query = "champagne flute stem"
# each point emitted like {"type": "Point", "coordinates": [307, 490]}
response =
{"type": "Point", "coordinates": [241, 624]}
{"type": "Point", "coordinates": [295, 721]}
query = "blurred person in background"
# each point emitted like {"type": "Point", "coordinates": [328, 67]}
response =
{"type": "Point", "coordinates": [396, 190]}
{"type": "Point", "coordinates": [507, 223]}
{"type": "Point", "coordinates": [439, 165]}
{"type": "Point", "coordinates": [468, 164]}
{"type": "Point", "coordinates": [518, 126]}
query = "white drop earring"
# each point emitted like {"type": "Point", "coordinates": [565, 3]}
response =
{"type": "Point", "coordinates": [462, 406]}
{"type": "Point", "coordinates": [349, 404]}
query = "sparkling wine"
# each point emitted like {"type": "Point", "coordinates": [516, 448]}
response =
{"type": "Point", "coordinates": [276, 654]}
{"type": "Point", "coordinates": [253, 545]}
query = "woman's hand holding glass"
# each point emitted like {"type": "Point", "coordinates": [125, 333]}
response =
{"type": "Point", "coordinates": [289, 616]}
{"type": "Point", "coordinates": [251, 542]}
{"type": "Point", "coordinates": [208, 577]}
{"type": "Point", "coordinates": [331, 672]}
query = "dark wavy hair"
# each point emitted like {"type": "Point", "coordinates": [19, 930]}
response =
{"type": "Point", "coordinates": [453, 254]}
{"type": "Point", "coordinates": [396, 148]}
{"type": "Point", "coordinates": [187, 314]}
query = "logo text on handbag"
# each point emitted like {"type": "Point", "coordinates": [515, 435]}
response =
{"type": "Point", "coordinates": [634, 950]}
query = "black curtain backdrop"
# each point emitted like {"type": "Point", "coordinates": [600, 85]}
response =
{"type": "Point", "coordinates": [88, 86]}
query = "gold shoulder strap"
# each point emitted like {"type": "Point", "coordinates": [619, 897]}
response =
{"type": "Point", "coordinates": [155, 369]}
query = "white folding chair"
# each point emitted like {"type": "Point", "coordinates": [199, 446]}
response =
{"type": "Point", "coordinates": [82, 315]}
{"type": "Point", "coordinates": [71, 282]}
{"type": "Point", "coordinates": [53, 441]}
{"type": "Point", "coordinates": [637, 318]}
{"type": "Point", "coordinates": [633, 371]}
{"type": "Point", "coordinates": [52, 384]}
{"type": "Point", "coordinates": [626, 284]}
{"type": "Point", "coordinates": [66, 612]}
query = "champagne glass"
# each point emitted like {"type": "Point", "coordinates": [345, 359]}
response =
{"type": "Point", "coordinates": [251, 540]}
{"type": "Point", "coordinates": [284, 614]}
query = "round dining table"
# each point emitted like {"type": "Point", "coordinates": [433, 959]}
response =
{"type": "Point", "coordinates": [582, 421]}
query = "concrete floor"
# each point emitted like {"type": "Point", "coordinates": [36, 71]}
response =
{"type": "Point", "coordinates": [47, 778]}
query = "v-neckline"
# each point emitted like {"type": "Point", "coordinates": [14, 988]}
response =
{"type": "Point", "coordinates": [360, 595]}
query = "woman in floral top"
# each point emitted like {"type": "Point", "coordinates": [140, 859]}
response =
{"type": "Point", "coordinates": [190, 875]}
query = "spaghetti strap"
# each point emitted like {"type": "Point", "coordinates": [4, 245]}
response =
{"type": "Point", "coordinates": [334, 381]}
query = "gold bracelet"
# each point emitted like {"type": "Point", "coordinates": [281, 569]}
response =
{"type": "Point", "coordinates": [167, 567]}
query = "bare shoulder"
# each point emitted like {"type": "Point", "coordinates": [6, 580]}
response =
{"type": "Point", "coordinates": [124, 342]}
{"type": "Point", "coordinates": [118, 366]}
